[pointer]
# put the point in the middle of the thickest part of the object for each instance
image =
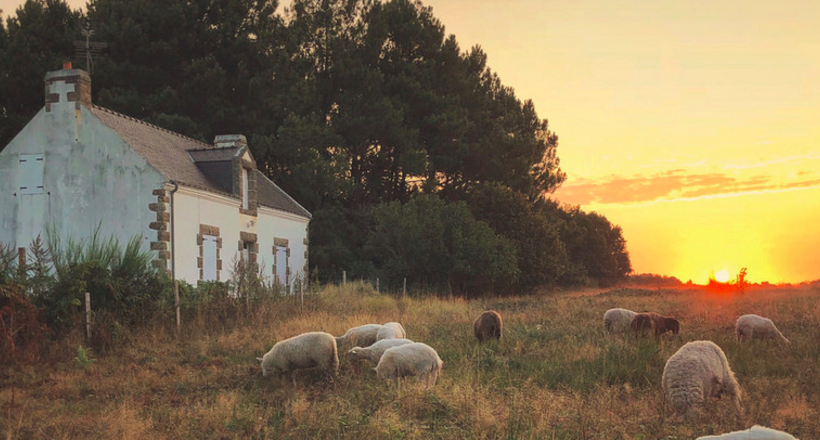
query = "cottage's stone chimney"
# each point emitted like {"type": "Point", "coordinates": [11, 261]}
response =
{"type": "Point", "coordinates": [68, 85]}
{"type": "Point", "coordinates": [230, 140]}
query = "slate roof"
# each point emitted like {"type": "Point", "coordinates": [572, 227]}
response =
{"type": "Point", "coordinates": [213, 154]}
{"type": "Point", "coordinates": [176, 157]}
{"type": "Point", "coordinates": [274, 197]}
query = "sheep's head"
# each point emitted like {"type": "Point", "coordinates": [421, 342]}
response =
{"type": "Point", "coordinates": [729, 388]}
{"type": "Point", "coordinates": [264, 371]}
{"type": "Point", "coordinates": [354, 353]}
{"type": "Point", "coordinates": [717, 387]}
{"type": "Point", "coordinates": [673, 325]}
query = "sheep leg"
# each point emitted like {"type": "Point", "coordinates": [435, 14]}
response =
{"type": "Point", "coordinates": [738, 405]}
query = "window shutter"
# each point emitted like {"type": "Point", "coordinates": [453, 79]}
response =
{"type": "Point", "coordinates": [30, 175]}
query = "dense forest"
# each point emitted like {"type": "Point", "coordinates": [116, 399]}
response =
{"type": "Point", "coordinates": [414, 158]}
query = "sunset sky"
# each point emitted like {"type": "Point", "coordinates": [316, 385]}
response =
{"type": "Point", "coordinates": [694, 125]}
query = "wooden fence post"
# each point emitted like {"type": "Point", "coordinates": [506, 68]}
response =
{"type": "Point", "coordinates": [176, 303]}
{"type": "Point", "coordinates": [21, 263]}
{"type": "Point", "coordinates": [377, 285]}
{"type": "Point", "coordinates": [404, 288]}
{"type": "Point", "coordinates": [344, 278]}
{"type": "Point", "coordinates": [88, 315]}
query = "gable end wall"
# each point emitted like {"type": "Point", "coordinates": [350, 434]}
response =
{"type": "Point", "coordinates": [91, 179]}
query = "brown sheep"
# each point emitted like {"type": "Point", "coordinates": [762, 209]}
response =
{"type": "Point", "coordinates": [488, 325]}
{"type": "Point", "coordinates": [642, 323]}
{"type": "Point", "coordinates": [665, 324]}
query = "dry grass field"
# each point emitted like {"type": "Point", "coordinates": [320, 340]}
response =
{"type": "Point", "coordinates": [553, 375]}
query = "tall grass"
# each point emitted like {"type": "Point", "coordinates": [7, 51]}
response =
{"type": "Point", "coordinates": [554, 374]}
{"type": "Point", "coordinates": [44, 295]}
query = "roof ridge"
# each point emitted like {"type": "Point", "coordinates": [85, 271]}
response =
{"type": "Point", "coordinates": [211, 148]}
{"type": "Point", "coordinates": [122, 115]}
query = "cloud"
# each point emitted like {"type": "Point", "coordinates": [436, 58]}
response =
{"type": "Point", "coordinates": [675, 184]}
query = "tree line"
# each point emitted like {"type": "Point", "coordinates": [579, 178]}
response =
{"type": "Point", "coordinates": [414, 158]}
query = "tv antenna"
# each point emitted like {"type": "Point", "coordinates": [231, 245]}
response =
{"type": "Point", "coordinates": [89, 49]}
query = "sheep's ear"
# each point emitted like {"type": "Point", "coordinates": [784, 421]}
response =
{"type": "Point", "coordinates": [259, 359]}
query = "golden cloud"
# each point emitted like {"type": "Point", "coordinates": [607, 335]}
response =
{"type": "Point", "coordinates": [673, 185]}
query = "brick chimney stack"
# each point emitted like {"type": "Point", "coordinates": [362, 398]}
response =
{"type": "Point", "coordinates": [68, 85]}
{"type": "Point", "coordinates": [230, 140]}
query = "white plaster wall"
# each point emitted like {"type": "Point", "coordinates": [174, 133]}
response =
{"type": "Point", "coordinates": [193, 208]}
{"type": "Point", "coordinates": [281, 224]}
{"type": "Point", "coordinates": [91, 177]}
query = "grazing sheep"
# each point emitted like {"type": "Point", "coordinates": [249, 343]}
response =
{"type": "Point", "coordinates": [696, 371]}
{"type": "Point", "coordinates": [361, 336]}
{"type": "Point", "coordinates": [308, 350]}
{"type": "Point", "coordinates": [757, 327]}
{"type": "Point", "coordinates": [391, 330]}
{"type": "Point", "coordinates": [488, 325]}
{"type": "Point", "coordinates": [375, 351]}
{"type": "Point", "coordinates": [416, 359]}
{"type": "Point", "coordinates": [643, 322]}
{"type": "Point", "coordinates": [754, 433]}
{"type": "Point", "coordinates": [617, 321]}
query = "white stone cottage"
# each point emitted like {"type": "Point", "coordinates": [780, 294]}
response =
{"type": "Point", "coordinates": [76, 167]}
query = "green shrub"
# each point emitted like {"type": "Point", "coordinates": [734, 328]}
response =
{"type": "Point", "coordinates": [83, 358]}
{"type": "Point", "coordinates": [121, 280]}
{"type": "Point", "coordinates": [437, 244]}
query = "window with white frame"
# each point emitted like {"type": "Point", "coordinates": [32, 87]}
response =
{"type": "Point", "coordinates": [281, 264]}
{"type": "Point", "coordinates": [209, 254]}
{"type": "Point", "coordinates": [245, 186]}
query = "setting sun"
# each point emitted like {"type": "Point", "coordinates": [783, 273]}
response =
{"type": "Point", "coordinates": [722, 276]}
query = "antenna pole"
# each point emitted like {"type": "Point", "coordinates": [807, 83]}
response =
{"type": "Point", "coordinates": [88, 33]}
{"type": "Point", "coordinates": [91, 48]}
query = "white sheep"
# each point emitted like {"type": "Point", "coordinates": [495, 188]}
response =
{"type": "Point", "coordinates": [391, 330]}
{"type": "Point", "coordinates": [308, 350]}
{"type": "Point", "coordinates": [754, 433]}
{"type": "Point", "coordinates": [416, 359]}
{"type": "Point", "coordinates": [375, 351]}
{"type": "Point", "coordinates": [696, 371]}
{"type": "Point", "coordinates": [757, 327]}
{"type": "Point", "coordinates": [361, 336]}
{"type": "Point", "coordinates": [617, 321]}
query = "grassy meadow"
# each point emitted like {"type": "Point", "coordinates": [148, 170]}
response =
{"type": "Point", "coordinates": [553, 375]}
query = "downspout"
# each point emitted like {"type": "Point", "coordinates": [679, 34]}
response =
{"type": "Point", "coordinates": [173, 237]}
{"type": "Point", "coordinates": [173, 253]}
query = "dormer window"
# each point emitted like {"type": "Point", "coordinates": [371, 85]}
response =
{"type": "Point", "coordinates": [230, 166]}
{"type": "Point", "coordinates": [244, 188]}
